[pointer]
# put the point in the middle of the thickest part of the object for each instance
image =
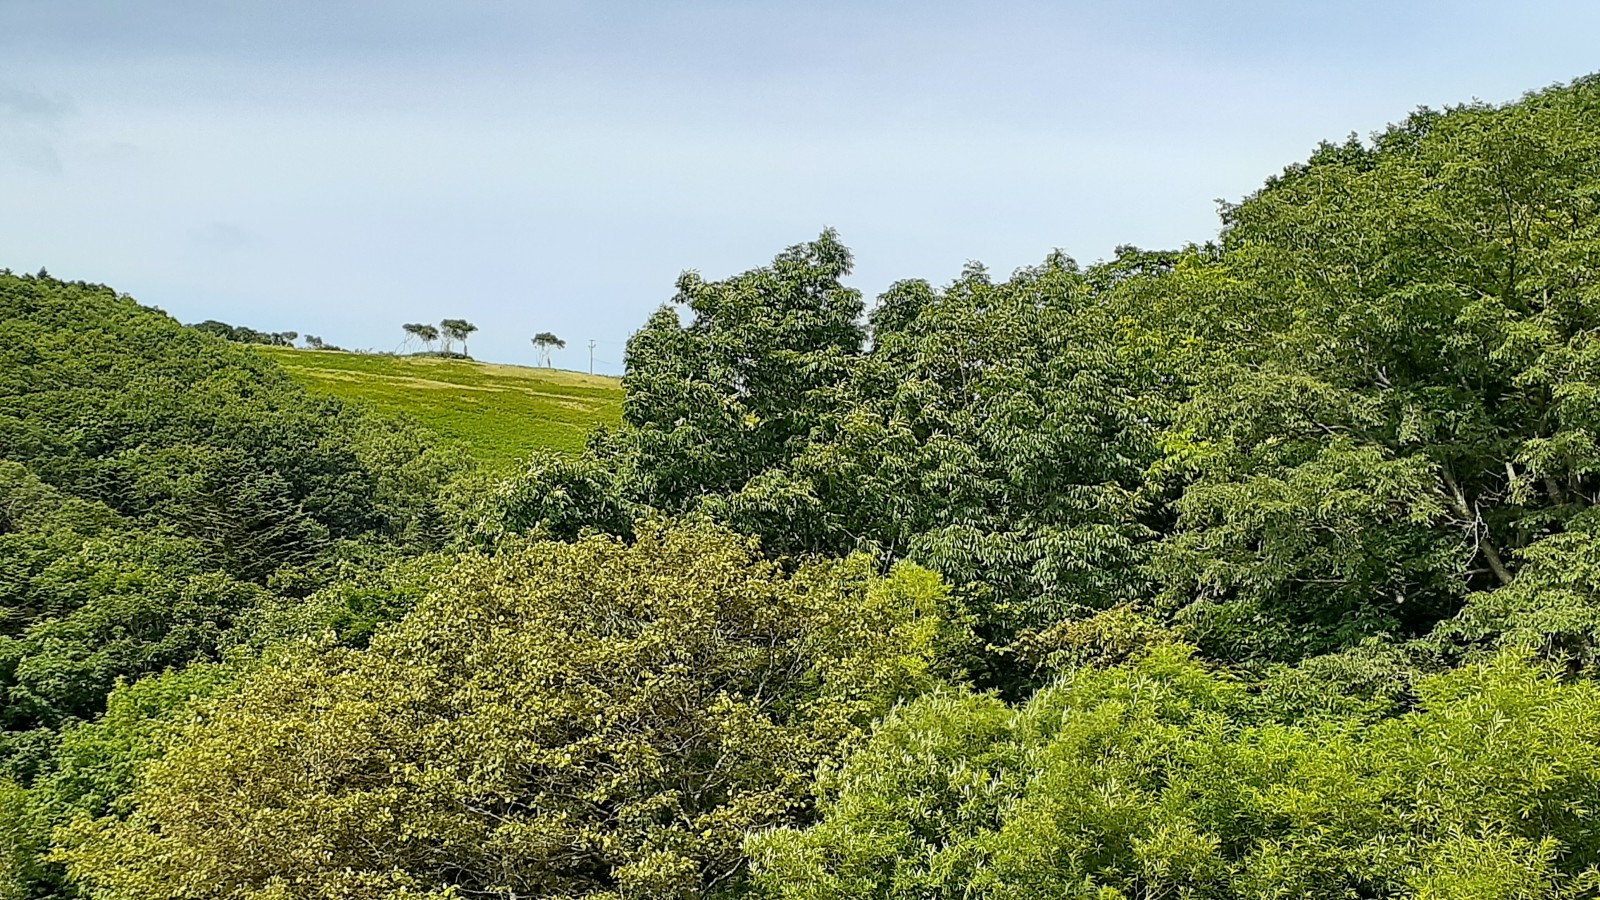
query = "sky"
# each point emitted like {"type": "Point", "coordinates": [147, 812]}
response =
{"type": "Point", "coordinates": [341, 167]}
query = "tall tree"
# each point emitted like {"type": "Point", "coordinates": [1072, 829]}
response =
{"type": "Point", "coordinates": [716, 401]}
{"type": "Point", "coordinates": [457, 330]}
{"type": "Point", "coordinates": [413, 330]}
{"type": "Point", "coordinates": [592, 720]}
{"type": "Point", "coordinates": [1394, 355]}
{"type": "Point", "coordinates": [992, 431]}
{"type": "Point", "coordinates": [546, 341]}
{"type": "Point", "coordinates": [429, 334]}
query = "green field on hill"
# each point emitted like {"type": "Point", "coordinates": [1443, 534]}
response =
{"type": "Point", "coordinates": [502, 413]}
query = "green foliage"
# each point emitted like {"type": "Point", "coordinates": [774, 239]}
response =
{"type": "Point", "coordinates": [242, 335]}
{"type": "Point", "coordinates": [457, 330]}
{"type": "Point", "coordinates": [158, 486]}
{"type": "Point", "coordinates": [92, 773]}
{"type": "Point", "coordinates": [592, 719]}
{"type": "Point", "coordinates": [367, 587]}
{"type": "Point", "coordinates": [1160, 778]}
{"type": "Point", "coordinates": [709, 405]}
{"type": "Point", "coordinates": [501, 414]}
{"type": "Point", "coordinates": [427, 334]}
{"type": "Point", "coordinates": [1552, 608]}
{"type": "Point", "coordinates": [1384, 360]}
{"type": "Point", "coordinates": [991, 431]}
{"type": "Point", "coordinates": [158, 479]}
{"type": "Point", "coordinates": [545, 342]}
{"type": "Point", "coordinates": [110, 401]}
{"type": "Point", "coordinates": [557, 496]}
{"type": "Point", "coordinates": [993, 434]}
{"type": "Point", "coordinates": [87, 600]}
{"type": "Point", "coordinates": [1279, 523]}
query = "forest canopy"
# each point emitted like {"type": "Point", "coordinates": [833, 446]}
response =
{"type": "Point", "coordinates": [1261, 567]}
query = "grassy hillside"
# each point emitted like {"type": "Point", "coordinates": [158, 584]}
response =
{"type": "Point", "coordinates": [501, 412]}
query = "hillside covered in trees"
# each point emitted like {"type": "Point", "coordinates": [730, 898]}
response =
{"type": "Point", "coordinates": [1266, 567]}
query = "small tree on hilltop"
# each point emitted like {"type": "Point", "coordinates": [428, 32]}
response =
{"type": "Point", "coordinates": [413, 330]}
{"type": "Point", "coordinates": [428, 334]}
{"type": "Point", "coordinates": [457, 330]}
{"type": "Point", "coordinates": [545, 342]}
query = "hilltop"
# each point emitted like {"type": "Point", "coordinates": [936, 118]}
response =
{"type": "Point", "coordinates": [501, 412]}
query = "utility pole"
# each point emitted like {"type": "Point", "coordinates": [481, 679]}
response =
{"type": "Point", "coordinates": [591, 357]}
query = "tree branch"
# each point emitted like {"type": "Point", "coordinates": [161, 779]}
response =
{"type": "Point", "coordinates": [1480, 528]}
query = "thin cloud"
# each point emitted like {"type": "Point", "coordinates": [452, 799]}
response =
{"type": "Point", "coordinates": [36, 155]}
{"type": "Point", "coordinates": [224, 236]}
{"type": "Point", "coordinates": [28, 126]}
{"type": "Point", "coordinates": [22, 105]}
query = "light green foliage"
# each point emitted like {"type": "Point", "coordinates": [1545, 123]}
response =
{"type": "Point", "coordinates": [92, 772]}
{"type": "Point", "coordinates": [502, 414]}
{"type": "Point", "coordinates": [1162, 778]}
{"type": "Point", "coordinates": [20, 842]}
{"type": "Point", "coordinates": [592, 719]}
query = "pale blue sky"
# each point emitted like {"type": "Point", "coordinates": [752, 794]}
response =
{"type": "Point", "coordinates": [340, 168]}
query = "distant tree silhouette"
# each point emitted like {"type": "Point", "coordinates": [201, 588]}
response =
{"type": "Point", "coordinates": [412, 330]}
{"type": "Point", "coordinates": [457, 330]}
{"type": "Point", "coordinates": [545, 342]}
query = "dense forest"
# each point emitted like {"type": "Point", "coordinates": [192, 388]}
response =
{"type": "Point", "coordinates": [1265, 567]}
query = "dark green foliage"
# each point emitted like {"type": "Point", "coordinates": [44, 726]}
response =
{"type": "Point", "coordinates": [990, 431]}
{"type": "Point", "coordinates": [1388, 377]}
{"type": "Point", "coordinates": [165, 496]}
{"type": "Point", "coordinates": [457, 330]}
{"type": "Point", "coordinates": [87, 599]}
{"type": "Point", "coordinates": [110, 401]}
{"type": "Point", "coordinates": [158, 480]}
{"type": "Point", "coordinates": [710, 405]}
{"type": "Point", "coordinates": [1552, 608]}
{"type": "Point", "coordinates": [242, 335]}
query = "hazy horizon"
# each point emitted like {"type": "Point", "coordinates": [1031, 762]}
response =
{"type": "Point", "coordinates": [342, 168]}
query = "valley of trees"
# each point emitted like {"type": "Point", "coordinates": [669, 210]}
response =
{"type": "Point", "coordinates": [1267, 567]}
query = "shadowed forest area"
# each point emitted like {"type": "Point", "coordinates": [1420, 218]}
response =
{"type": "Point", "coordinates": [1263, 567]}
